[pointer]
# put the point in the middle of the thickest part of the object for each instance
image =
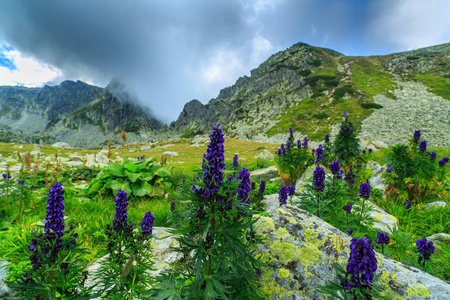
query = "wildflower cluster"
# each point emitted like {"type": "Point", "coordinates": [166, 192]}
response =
{"type": "Point", "coordinates": [293, 160]}
{"type": "Point", "coordinates": [284, 193]}
{"type": "Point", "coordinates": [425, 250]}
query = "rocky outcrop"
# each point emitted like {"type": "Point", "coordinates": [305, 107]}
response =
{"type": "Point", "coordinates": [303, 247]}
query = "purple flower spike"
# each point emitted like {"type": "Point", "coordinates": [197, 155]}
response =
{"type": "Point", "coordinates": [291, 190]}
{"type": "Point", "coordinates": [362, 264]}
{"type": "Point", "coordinates": [213, 174]}
{"type": "Point", "coordinates": [299, 144]}
{"type": "Point", "coordinates": [283, 195]}
{"type": "Point", "coordinates": [350, 231]}
{"type": "Point", "coordinates": [335, 167]}
{"type": "Point", "coordinates": [305, 142]}
{"type": "Point", "coordinates": [432, 155]}
{"type": "Point", "coordinates": [364, 151]}
{"type": "Point", "coordinates": [389, 170]}
{"type": "Point", "coordinates": [21, 182]}
{"type": "Point", "coordinates": [147, 224]}
{"type": "Point", "coordinates": [288, 145]}
{"type": "Point", "coordinates": [291, 134]}
{"type": "Point", "coordinates": [370, 150]}
{"type": "Point", "coordinates": [235, 162]}
{"type": "Point", "coordinates": [346, 115]}
{"type": "Point", "coordinates": [319, 155]}
{"type": "Point", "coordinates": [319, 179]}
{"type": "Point", "coordinates": [121, 217]}
{"type": "Point", "coordinates": [425, 248]}
{"type": "Point", "coordinates": [244, 186]}
{"type": "Point", "coordinates": [423, 146]}
{"type": "Point", "coordinates": [55, 217]}
{"type": "Point", "coordinates": [364, 190]}
{"type": "Point", "coordinates": [383, 238]}
{"type": "Point", "coordinates": [416, 136]}
{"type": "Point", "coordinates": [407, 205]}
{"type": "Point", "coordinates": [327, 138]}
{"type": "Point", "coordinates": [262, 188]}
{"type": "Point", "coordinates": [347, 208]}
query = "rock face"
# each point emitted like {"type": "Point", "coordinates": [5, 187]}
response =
{"type": "Point", "coordinates": [264, 174]}
{"type": "Point", "coordinates": [265, 154]}
{"type": "Point", "coordinates": [304, 247]}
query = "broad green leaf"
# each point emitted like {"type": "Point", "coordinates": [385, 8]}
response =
{"type": "Point", "coordinates": [143, 164]}
{"type": "Point", "coordinates": [133, 176]}
{"type": "Point", "coordinates": [163, 172]}
{"type": "Point", "coordinates": [158, 190]}
{"type": "Point", "coordinates": [95, 187]}
{"type": "Point", "coordinates": [141, 188]}
{"type": "Point", "coordinates": [132, 167]}
{"type": "Point", "coordinates": [119, 184]}
{"type": "Point", "coordinates": [115, 170]}
{"type": "Point", "coordinates": [147, 176]}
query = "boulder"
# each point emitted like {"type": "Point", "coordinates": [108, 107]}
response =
{"type": "Point", "coordinates": [277, 180]}
{"type": "Point", "coordinates": [272, 202]}
{"type": "Point", "coordinates": [75, 158]}
{"type": "Point", "coordinates": [265, 154]}
{"type": "Point", "coordinates": [436, 204]}
{"type": "Point", "coordinates": [145, 148]}
{"type": "Point", "coordinates": [200, 139]}
{"type": "Point", "coordinates": [440, 240]}
{"type": "Point", "coordinates": [62, 145]}
{"type": "Point", "coordinates": [304, 248]}
{"type": "Point", "coordinates": [375, 180]}
{"type": "Point", "coordinates": [382, 220]}
{"type": "Point", "coordinates": [5, 291]}
{"type": "Point", "coordinates": [170, 154]}
{"type": "Point", "coordinates": [101, 158]}
{"type": "Point", "coordinates": [309, 172]}
{"type": "Point", "coordinates": [264, 174]}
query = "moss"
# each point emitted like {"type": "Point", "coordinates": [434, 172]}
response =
{"type": "Point", "coordinates": [418, 290]}
{"type": "Point", "coordinates": [283, 273]}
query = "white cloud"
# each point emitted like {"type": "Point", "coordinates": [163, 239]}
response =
{"type": "Point", "coordinates": [412, 24]}
{"type": "Point", "coordinates": [29, 72]}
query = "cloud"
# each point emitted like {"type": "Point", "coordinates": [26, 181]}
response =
{"type": "Point", "coordinates": [170, 52]}
{"type": "Point", "coordinates": [24, 71]}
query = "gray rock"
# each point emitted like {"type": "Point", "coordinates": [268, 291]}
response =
{"type": "Point", "coordinates": [200, 139]}
{"type": "Point", "coordinates": [304, 247]}
{"type": "Point", "coordinates": [436, 204]}
{"type": "Point", "coordinates": [375, 180]}
{"type": "Point", "coordinates": [277, 180]}
{"type": "Point", "coordinates": [62, 145]}
{"type": "Point", "coordinates": [36, 149]}
{"type": "Point", "coordinates": [75, 158]}
{"type": "Point", "coordinates": [309, 172]}
{"type": "Point", "coordinates": [5, 291]}
{"type": "Point", "coordinates": [170, 154]}
{"type": "Point", "coordinates": [440, 240]}
{"type": "Point", "coordinates": [265, 154]}
{"type": "Point", "coordinates": [144, 148]}
{"type": "Point", "coordinates": [272, 202]}
{"type": "Point", "coordinates": [264, 174]}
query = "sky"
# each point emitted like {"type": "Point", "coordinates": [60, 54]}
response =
{"type": "Point", "coordinates": [170, 52]}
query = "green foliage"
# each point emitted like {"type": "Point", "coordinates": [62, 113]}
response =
{"type": "Point", "coordinates": [415, 177]}
{"type": "Point", "coordinates": [320, 116]}
{"type": "Point", "coordinates": [317, 95]}
{"type": "Point", "coordinates": [191, 133]}
{"type": "Point", "coordinates": [412, 57]}
{"type": "Point", "coordinates": [292, 165]}
{"type": "Point", "coordinates": [371, 105]}
{"type": "Point", "coordinates": [316, 63]}
{"type": "Point", "coordinates": [340, 92]}
{"type": "Point", "coordinates": [346, 144]}
{"type": "Point", "coordinates": [136, 178]}
{"type": "Point", "coordinates": [305, 72]}
{"type": "Point", "coordinates": [312, 80]}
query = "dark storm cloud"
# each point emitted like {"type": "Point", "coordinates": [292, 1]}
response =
{"type": "Point", "coordinates": [170, 52]}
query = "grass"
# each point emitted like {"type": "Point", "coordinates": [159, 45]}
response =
{"type": "Point", "coordinates": [438, 85]}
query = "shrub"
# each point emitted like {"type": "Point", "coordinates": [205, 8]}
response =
{"type": "Point", "coordinates": [346, 144]}
{"type": "Point", "coordinates": [340, 92]}
{"type": "Point", "coordinates": [305, 72]}
{"type": "Point", "coordinates": [320, 116]}
{"type": "Point", "coordinates": [371, 105]}
{"type": "Point", "coordinates": [315, 63]}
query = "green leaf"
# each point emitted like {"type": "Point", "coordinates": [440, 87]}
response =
{"type": "Point", "coordinates": [119, 184]}
{"type": "Point", "coordinates": [141, 188]}
{"type": "Point", "coordinates": [163, 172]}
{"type": "Point", "coordinates": [133, 176]}
{"type": "Point", "coordinates": [116, 170]}
{"type": "Point", "coordinates": [147, 176]}
{"type": "Point", "coordinates": [158, 190]}
{"type": "Point", "coordinates": [95, 187]}
{"type": "Point", "coordinates": [132, 167]}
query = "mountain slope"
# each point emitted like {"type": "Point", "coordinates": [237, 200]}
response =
{"type": "Point", "coordinates": [310, 88]}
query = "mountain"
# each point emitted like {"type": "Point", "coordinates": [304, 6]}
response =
{"type": "Point", "coordinates": [310, 88]}
{"type": "Point", "coordinates": [74, 112]}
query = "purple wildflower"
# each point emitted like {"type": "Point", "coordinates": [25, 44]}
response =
{"type": "Point", "coordinates": [350, 177]}
{"type": "Point", "coordinates": [55, 216]}
{"type": "Point", "coordinates": [291, 134]}
{"type": "Point", "coordinates": [370, 150]}
{"type": "Point", "coordinates": [235, 162]}
{"type": "Point", "coordinates": [432, 155]}
{"type": "Point", "coordinates": [291, 190]}
{"type": "Point", "coordinates": [229, 178]}
{"type": "Point", "coordinates": [305, 142]}
{"type": "Point", "coordinates": [443, 161]}
{"type": "Point", "coordinates": [279, 152]}
{"type": "Point", "coordinates": [362, 264]}
{"type": "Point", "coordinates": [364, 190]}
{"type": "Point", "coordinates": [319, 155]}
{"type": "Point", "coordinates": [327, 138]}
{"type": "Point", "coordinates": [347, 208]}
{"type": "Point", "coordinates": [288, 145]}
{"type": "Point", "coordinates": [425, 248]}
{"type": "Point", "coordinates": [213, 174]}
{"type": "Point", "coordinates": [346, 115]}
{"type": "Point", "coordinates": [299, 144]}
{"type": "Point", "coordinates": [407, 205]}
{"type": "Point", "coordinates": [416, 136]}
{"type": "Point", "coordinates": [21, 182]}
{"type": "Point", "coordinates": [283, 195]}
{"type": "Point", "coordinates": [423, 146]}
{"type": "Point", "coordinates": [335, 167]}
{"type": "Point", "coordinates": [172, 206]}
{"type": "Point", "coordinates": [147, 224]}
{"type": "Point", "coordinates": [389, 170]}
{"type": "Point", "coordinates": [364, 151]}
{"type": "Point", "coordinates": [244, 186]}
{"type": "Point", "coordinates": [383, 238]}
{"type": "Point", "coordinates": [120, 219]}
{"type": "Point", "coordinates": [350, 231]}
{"type": "Point", "coordinates": [319, 179]}
{"type": "Point", "coordinates": [283, 151]}
{"type": "Point", "coordinates": [262, 188]}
